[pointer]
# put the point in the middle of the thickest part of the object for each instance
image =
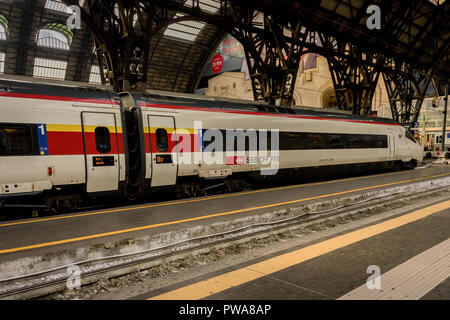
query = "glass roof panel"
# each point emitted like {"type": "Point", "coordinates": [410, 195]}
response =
{"type": "Point", "coordinates": [189, 30]}
{"type": "Point", "coordinates": [3, 27]}
{"type": "Point", "coordinates": [185, 30]}
{"type": "Point", "coordinates": [2, 33]}
{"type": "Point", "coordinates": [49, 69]}
{"type": "Point", "coordinates": [95, 75]}
{"type": "Point", "coordinates": [211, 6]}
{"type": "Point", "coordinates": [55, 35]}
{"type": "Point", "coordinates": [2, 62]}
{"type": "Point", "coordinates": [57, 5]}
{"type": "Point", "coordinates": [52, 39]}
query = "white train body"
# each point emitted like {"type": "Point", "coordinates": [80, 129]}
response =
{"type": "Point", "coordinates": [59, 141]}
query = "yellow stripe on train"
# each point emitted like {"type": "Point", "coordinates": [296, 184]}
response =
{"type": "Point", "coordinates": [78, 128]}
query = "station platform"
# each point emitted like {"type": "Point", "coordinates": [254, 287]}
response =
{"type": "Point", "coordinates": [48, 235]}
{"type": "Point", "coordinates": [411, 252]}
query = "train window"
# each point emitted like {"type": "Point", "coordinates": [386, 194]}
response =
{"type": "Point", "coordinates": [410, 137]}
{"type": "Point", "coordinates": [317, 141]}
{"type": "Point", "coordinates": [15, 140]}
{"type": "Point", "coordinates": [260, 108]}
{"type": "Point", "coordinates": [102, 140]}
{"type": "Point", "coordinates": [162, 141]}
{"type": "Point", "coordinates": [335, 141]}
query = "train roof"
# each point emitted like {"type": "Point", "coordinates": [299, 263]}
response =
{"type": "Point", "coordinates": [214, 103]}
{"type": "Point", "coordinates": [86, 92]}
{"type": "Point", "coordinates": [24, 86]}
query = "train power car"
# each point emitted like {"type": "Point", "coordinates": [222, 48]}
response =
{"type": "Point", "coordinates": [61, 145]}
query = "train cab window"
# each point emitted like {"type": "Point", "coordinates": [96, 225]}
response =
{"type": "Point", "coordinates": [410, 136]}
{"type": "Point", "coordinates": [162, 141]}
{"type": "Point", "coordinates": [15, 140]}
{"type": "Point", "coordinates": [271, 109]}
{"type": "Point", "coordinates": [102, 140]}
{"type": "Point", "coordinates": [289, 110]}
{"type": "Point", "coordinates": [261, 108]}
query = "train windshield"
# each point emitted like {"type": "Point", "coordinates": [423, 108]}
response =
{"type": "Point", "coordinates": [410, 136]}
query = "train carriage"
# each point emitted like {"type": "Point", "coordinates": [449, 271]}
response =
{"type": "Point", "coordinates": [66, 144]}
{"type": "Point", "coordinates": [60, 142]}
{"type": "Point", "coordinates": [307, 140]}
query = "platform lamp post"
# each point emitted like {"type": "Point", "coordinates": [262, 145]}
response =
{"type": "Point", "coordinates": [444, 127]}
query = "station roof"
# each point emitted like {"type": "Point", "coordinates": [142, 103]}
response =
{"type": "Point", "coordinates": [417, 31]}
{"type": "Point", "coordinates": [35, 41]}
{"type": "Point", "coordinates": [177, 58]}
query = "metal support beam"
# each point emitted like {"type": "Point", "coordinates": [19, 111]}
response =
{"type": "Point", "coordinates": [25, 32]}
{"type": "Point", "coordinates": [273, 49]}
{"type": "Point", "coordinates": [273, 62]}
{"type": "Point", "coordinates": [406, 93]}
{"type": "Point", "coordinates": [122, 32]}
{"type": "Point", "coordinates": [354, 73]}
{"type": "Point", "coordinates": [444, 126]}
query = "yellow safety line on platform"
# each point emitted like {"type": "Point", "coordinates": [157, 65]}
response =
{"type": "Point", "coordinates": [100, 235]}
{"type": "Point", "coordinates": [163, 204]}
{"type": "Point", "coordinates": [258, 270]}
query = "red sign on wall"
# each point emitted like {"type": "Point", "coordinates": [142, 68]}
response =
{"type": "Point", "coordinates": [217, 63]}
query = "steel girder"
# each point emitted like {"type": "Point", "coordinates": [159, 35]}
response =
{"type": "Point", "coordinates": [122, 32]}
{"type": "Point", "coordinates": [273, 57]}
{"type": "Point", "coordinates": [25, 31]}
{"type": "Point", "coordinates": [273, 49]}
{"type": "Point", "coordinates": [406, 91]}
{"type": "Point", "coordinates": [354, 73]}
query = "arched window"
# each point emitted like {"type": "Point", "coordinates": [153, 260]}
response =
{"type": "Point", "coordinates": [55, 35]}
{"type": "Point", "coordinates": [3, 27]}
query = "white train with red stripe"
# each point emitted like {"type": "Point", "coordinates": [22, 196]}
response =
{"type": "Point", "coordinates": [62, 145]}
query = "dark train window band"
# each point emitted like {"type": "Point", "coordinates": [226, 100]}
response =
{"type": "Point", "coordinates": [18, 139]}
{"type": "Point", "coordinates": [295, 140]}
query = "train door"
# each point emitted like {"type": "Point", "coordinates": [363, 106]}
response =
{"type": "Point", "coordinates": [163, 148]}
{"type": "Point", "coordinates": [101, 151]}
{"type": "Point", "coordinates": [392, 146]}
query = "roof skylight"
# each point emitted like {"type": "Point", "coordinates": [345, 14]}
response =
{"type": "Point", "coordinates": [2, 62]}
{"type": "Point", "coordinates": [189, 30]}
{"type": "Point", "coordinates": [3, 27]}
{"type": "Point", "coordinates": [57, 5]}
{"type": "Point", "coordinates": [55, 35]}
{"type": "Point", "coordinates": [95, 75]}
{"type": "Point", "coordinates": [49, 69]}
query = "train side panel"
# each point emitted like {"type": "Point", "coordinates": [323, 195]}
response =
{"type": "Point", "coordinates": [50, 144]}
{"type": "Point", "coordinates": [386, 142]}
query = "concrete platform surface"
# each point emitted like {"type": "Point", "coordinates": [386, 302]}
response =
{"type": "Point", "coordinates": [411, 252]}
{"type": "Point", "coordinates": [40, 236]}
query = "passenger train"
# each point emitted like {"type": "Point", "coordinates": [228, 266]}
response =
{"type": "Point", "coordinates": [62, 145]}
